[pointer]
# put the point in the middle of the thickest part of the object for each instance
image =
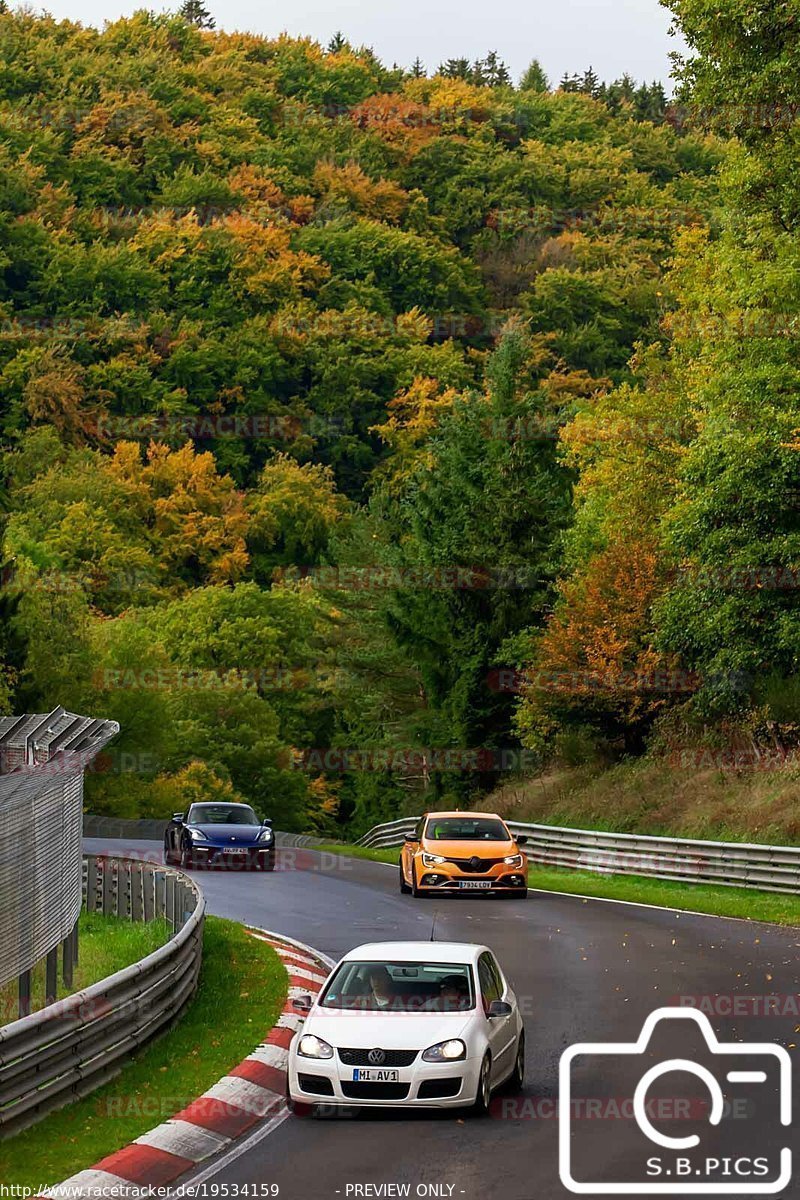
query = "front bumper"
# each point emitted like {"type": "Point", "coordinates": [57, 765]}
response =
{"type": "Point", "coordinates": [449, 877]}
{"type": "Point", "coordinates": [422, 1085]}
{"type": "Point", "coordinates": [254, 857]}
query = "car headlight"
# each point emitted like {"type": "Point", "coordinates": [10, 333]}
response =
{"type": "Point", "coordinates": [448, 1051]}
{"type": "Point", "coordinates": [197, 835]}
{"type": "Point", "coordinates": [513, 860]}
{"type": "Point", "coordinates": [266, 836]}
{"type": "Point", "coordinates": [431, 860]}
{"type": "Point", "coordinates": [311, 1046]}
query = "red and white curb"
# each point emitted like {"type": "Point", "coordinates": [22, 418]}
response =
{"type": "Point", "coordinates": [252, 1091]}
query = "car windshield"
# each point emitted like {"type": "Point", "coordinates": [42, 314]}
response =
{"type": "Point", "coordinates": [401, 987]}
{"type": "Point", "coordinates": [222, 814]}
{"type": "Point", "coordinates": [466, 829]}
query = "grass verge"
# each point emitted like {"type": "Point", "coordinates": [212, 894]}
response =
{"type": "Point", "coordinates": [661, 796]}
{"type": "Point", "coordinates": [242, 990]}
{"type": "Point", "coordinates": [746, 903]}
{"type": "Point", "coordinates": [105, 945]}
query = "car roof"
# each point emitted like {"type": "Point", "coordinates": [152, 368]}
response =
{"type": "Point", "coordinates": [223, 803]}
{"type": "Point", "coordinates": [433, 952]}
{"type": "Point", "coordinates": [227, 803]}
{"type": "Point", "coordinates": [456, 813]}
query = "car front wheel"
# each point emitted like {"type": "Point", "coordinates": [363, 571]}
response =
{"type": "Point", "coordinates": [299, 1108]}
{"type": "Point", "coordinates": [518, 1075]}
{"type": "Point", "coordinates": [404, 888]}
{"type": "Point", "coordinates": [186, 859]}
{"type": "Point", "coordinates": [483, 1096]}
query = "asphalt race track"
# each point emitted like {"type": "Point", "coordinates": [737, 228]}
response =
{"type": "Point", "coordinates": [582, 970]}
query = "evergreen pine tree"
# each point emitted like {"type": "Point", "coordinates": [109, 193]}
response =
{"type": "Point", "coordinates": [534, 79]}
{"type": "Point", "coordinates": [196, 13]}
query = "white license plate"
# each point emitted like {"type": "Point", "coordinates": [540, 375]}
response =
{"type": "Point", "coordinates": [481, 884]}
{"type": "Point", "coordinates": [235, 850]}
{"type": "Point", "coordinates": [375, 1075]}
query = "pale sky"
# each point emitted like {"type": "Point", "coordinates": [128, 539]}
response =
{"type": "Point", "coordinates": [612, 36]}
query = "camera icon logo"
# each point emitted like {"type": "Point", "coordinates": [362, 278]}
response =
{"type": "Point", "coordinates": [661, 1163]}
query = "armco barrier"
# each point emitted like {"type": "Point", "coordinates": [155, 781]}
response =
{"type": "Point", "coordinates": [730, 864]}
{"type": "Point", "coordinates": [64, 1051]}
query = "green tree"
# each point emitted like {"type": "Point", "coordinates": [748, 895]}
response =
{"type": "Point", "coordinates": [195, 12]}
{"type": "Point", "coordinates": [534, 78]}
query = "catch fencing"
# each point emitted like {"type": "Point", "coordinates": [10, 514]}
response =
{"type": "Point", "coordinates": [52, 1057]}
{"type": "Point", "coordinates": [729, 864]}
{"type": "Point", "coordinates": [42, 759]}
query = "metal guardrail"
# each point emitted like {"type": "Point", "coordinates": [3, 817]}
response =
{"type": "Point", "coordinates": [149, 829]}
{"type": "Point", "coordinates": [54, 1056]}
{"type": "Point", "coordinates": [728, 864]}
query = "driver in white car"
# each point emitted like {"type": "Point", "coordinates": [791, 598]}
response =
{"type": "Point", "coordinates": [382, 993]}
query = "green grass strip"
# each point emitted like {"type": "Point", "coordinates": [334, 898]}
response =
{"type": "Point", "coordinates": [105, 945]}
{"type": "Point", "coordinates": [243, 987]}
{"type": "Point", "coordinates": [746, 903]}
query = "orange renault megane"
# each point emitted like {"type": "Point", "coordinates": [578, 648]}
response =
{"type": "Point", "coordinates": [463, 852]}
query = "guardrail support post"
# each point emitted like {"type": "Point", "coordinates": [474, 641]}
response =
{"type": "Point", "coordinates": [170, 901]}
{"type": "Point", "coordinates": [24, 994]}
{"type": "Point", "coordinates": [149, 897]}
{"type": "Point", "coordinates": [123, 889]}
{"type": "Point", "coordinates": [137, 890]}
{"type": "Point", "coordinates": [51, 977]}
{"type": "Point", "coordinates": [109, 872]}
{"type": "Point", "coordinates": [91, 884]}
{"type": "Point", "coordinates": [67, 961]}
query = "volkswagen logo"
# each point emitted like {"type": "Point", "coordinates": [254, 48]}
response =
{"type": "Point", "coordinates": [376, 1057]}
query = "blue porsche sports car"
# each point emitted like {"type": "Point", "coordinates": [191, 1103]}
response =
{"type": "Point", "coordinates": [225, 835]}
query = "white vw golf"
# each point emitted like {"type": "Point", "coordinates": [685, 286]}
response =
{"type": "Point", "coordinates": [428, 1024]}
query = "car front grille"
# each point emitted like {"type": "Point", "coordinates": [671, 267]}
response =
{"type": "Point", "coordinates": [477, 867]}
{"type": "Point", "coordinates": [393, 1058]}
{"type": "Point", "coordinates": [373, 1091]}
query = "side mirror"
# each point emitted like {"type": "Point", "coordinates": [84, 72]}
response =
{"type": "Point", "coordinates": [177, 818]}
{"type": "Point", "coordinates": [411, 837]}
{"type": "Point", "coordinates": [500, 1008]}
{"type": "Point", "coordinates": [521, 841]}
{"type": "Point", "coordinates": [302, 1003]}
{"type": "Point", "coordinates": [267, 821]}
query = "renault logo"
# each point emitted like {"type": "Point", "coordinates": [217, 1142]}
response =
{"type": "Point", "coordinates": [376, 1057]}
{"type": "Point", "coordinates": [475, 863]}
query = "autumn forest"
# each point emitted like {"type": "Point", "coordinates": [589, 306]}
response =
{"type": "Point", "coordinates": [375, 435]}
